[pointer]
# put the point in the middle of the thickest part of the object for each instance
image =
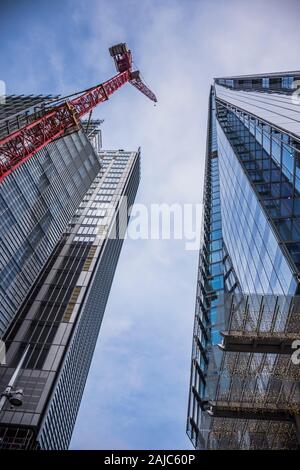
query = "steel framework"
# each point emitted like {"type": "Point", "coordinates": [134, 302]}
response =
{"type": "Point", "coordinates": [19, 146]}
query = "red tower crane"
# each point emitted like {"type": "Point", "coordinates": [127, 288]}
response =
{"type": "Point", "coordinates": [20, 145]}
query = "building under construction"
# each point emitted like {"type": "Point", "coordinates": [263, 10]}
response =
{"type": "Point", "coordinates": [64, 210]}
{"type": "Point", "coordinates": [244, 389]}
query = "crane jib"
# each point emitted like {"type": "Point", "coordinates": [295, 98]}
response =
{"type": "Point", "coordinates": [19, 146]}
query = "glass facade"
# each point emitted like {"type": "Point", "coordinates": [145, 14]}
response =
{"type": "Point", "coordinates": [60, 320]}
{"type": "Point", "coordinates": [244, 389]}
{"type": "Point", "coordinates": [36, 203]}
{"type": "Point", "coordinates": [260, 263]}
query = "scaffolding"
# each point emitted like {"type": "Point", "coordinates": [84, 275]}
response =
{"type": "Point", "coordinates": [253, 394]}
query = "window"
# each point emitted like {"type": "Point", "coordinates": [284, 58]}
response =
{"type": "Point", "coordinates": [288, 158]}
{"type": "Point", "coordinates": [215, 216]}
{"type": "Point", "coordinates": [217, 283]}
{"type": "Point", "coordinates": [216, 337]}
{"type": "Point", "coordinates": [216, 234]}
{"type": "Point", "coordinates": [96, 212]}
{"type": "Point", "coordinates": [265, 82]}
{"type": "Point", "coordinates": [229, 83]}
{"type": "Point", "coordinates": [216, 256]}
{"type": "Point", "coordinates": [109, 185]}
{"type": "Point", "coordinates": [216, 225]}
{"type": "Point", "coordinates": [101, 198]}
{"type": "Point", "coordinates": [216, 269]}
{"type": "Point", "coordinates": [287, 82]}
{"type": "Point", "coordinates": [216, 245]}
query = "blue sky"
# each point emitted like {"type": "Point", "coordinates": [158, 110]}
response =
{"type": "Point", "coordinates": [136, 394]}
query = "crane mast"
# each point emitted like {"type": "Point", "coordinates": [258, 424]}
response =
{"type": "Point", "coordinates": [20, 145]}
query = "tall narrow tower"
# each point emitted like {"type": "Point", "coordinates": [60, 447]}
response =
{"type": "Point", "coordinates": [56, 329]}
{"type": "Point", "coordinates": [244, 390]}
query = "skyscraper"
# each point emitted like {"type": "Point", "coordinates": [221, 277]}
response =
{"type": "Point", "coordinates": [51, 341]}
{"type": "Point", "coordinates": [244, 389]}
{"type": "Point", "coordinates": [37, 201]}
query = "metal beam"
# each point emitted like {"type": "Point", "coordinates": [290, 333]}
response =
{"type": "Point", "coordinates": [257, 343]}
{"type": "Point", "coordinates": [239, 410]}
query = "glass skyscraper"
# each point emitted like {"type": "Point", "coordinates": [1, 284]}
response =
{"type": "Point", "coordinates": [37, 201]}
{"type": "Point", "coordinates": [51, 341]}
{"type": "Point", "coordinates": [244, 389]}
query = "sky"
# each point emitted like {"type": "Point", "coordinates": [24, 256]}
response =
{"type": "Point", "coordinates": [137, 391]}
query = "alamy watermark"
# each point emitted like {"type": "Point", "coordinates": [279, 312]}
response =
{"type": "Point", "coordinates": [159, 222]}
{"type": "Point", "coordinates": [296, 354]}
